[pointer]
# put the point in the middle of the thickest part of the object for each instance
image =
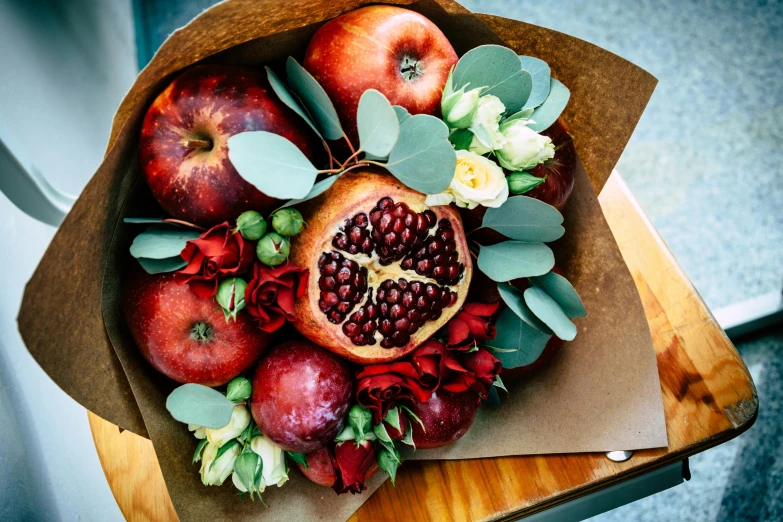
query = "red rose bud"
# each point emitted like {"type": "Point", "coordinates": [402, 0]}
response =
{"type": "Point", "coordinates": [472, 325]}
{"type": "Point", "coordinates": [351, 462]}
{"type": "Point", "coordinates": [270, 295]}
{"type": "Point", "coordinates": [429, 360]}
{"type": "Point", "coordinates": [380, 387]}
{"type": "Point", "coordinates": [218, 252]}
{"type": "Point", "coordinates": [471, 370]}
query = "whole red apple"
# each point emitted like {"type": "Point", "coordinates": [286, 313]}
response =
{"type": "Point", "coordinates": [321, 470]}
{"type": "Point", "coordinates": [446, 417]}
{"type": "Point", "coordinates": [183, 149]}
{"type": "Point", "coordinates": [396, 51]}
{"type": "Point", "coordinates": [185, 337]}
{"type": "Point", "coordinates": [301, 394]}
{"type": "Point", "coordinates": [559, 171]}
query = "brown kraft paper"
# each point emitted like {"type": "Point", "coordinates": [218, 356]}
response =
{"type": "Point", "coordinates": [600, 393]}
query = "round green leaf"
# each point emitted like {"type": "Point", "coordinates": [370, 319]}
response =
{"type": "Point", "coordinates": [378, 124]}
{"type": "Point", "coordinates": [402, 113]}
{"type": "Point", "coordinates": [318, 189]}
{"type": "Point", "coordinates": [539, 71]}
{"type": "Point", "coordinates": [288, 99]}
{"type": "Point", "coordinates": [423, 158]}
{"type": "Point", "coordinates": [315, 100]}
{"type": "Point", "coordinates": [550, 313]}
{"type": "Point", "coordinates": [514, 259]}
{"type": "Point", "coordinates": [198, 404]}
{"type": "Point", "coordinates": [561, 290]}
{"type": "Point", "coordinates": [499, 70]}
{"type": "Point", "coordinates": [515, 300]}
{"type": "Point", "coordinates": [162, 241]}
{"type": "Point", "coordinates": [525, 219]}
{"type": "Point", "coordinates": [516, 343]}
{"type": "Point", "coordinates": [272, 164]}
{"type": "Point", "coordinates": [160, 266]}
{"type": "Point", "coordinates": [545, 115]}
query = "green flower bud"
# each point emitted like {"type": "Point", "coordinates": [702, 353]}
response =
{"type": "Point", "coordinates": [251, 225]}
{"type": "Point", "coordinates": [231, 296]}
{"type": "Point", "coordinates": [287, 222]}
{"type": "Point", "coordinates": [273, 249]}
{"type": "Point", "coordinates": [521, 182]}
{"type": "Point", "coordinates": [238, 390]}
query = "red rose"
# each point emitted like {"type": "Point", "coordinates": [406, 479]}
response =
{"type": "Point", "coordinates": [471, 325]}
{"type": "Point", "coordinates": [270, 295]}
{"type": "Point", "coordinates": [429, 360]}
{"type": "Point", "coordinates": [351, 461]}
{"type": "Point", "coordinates": [473, 370]}
{"type": "Point", "coordinates": [379, 387]}
{"type": "Point", "coordinates": [218, 252]}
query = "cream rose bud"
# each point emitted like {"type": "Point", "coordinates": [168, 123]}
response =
{"type": "Point", "coordinates": [459, 108]}
{"type": "Point", "coordinates": [524, 148]}
{"type": "Point", "coordinates": [198, 431]}
{"type": "Point", "coordinates": [273, 469]}
{"type": "Point", "coordinates": [215, 475]}
{"type": "Point", "coordinates": [486, 125]}
{"type": "Point", "coordinates": [240, 419]}
{"type": "Point", "coordinates": [477, 181]}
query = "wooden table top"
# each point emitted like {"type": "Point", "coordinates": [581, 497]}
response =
{"type": "Point", "coordinates": [708, 396]}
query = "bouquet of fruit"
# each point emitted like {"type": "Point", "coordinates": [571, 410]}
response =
{"type": "Point", "coordinates": [330, 246]}
{"type": "Point", "coordinates": [334, 204]}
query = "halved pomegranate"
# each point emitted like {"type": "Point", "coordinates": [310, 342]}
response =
{"type": "Point", "coordinates": [386, 271]}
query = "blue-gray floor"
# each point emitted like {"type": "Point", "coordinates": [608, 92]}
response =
{"type": "Point", "coordinates": [705, 163]}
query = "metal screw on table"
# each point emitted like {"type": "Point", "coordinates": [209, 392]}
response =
{"type": "Point", "coordinates": [619, 456]}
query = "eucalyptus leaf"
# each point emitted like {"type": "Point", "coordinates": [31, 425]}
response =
{"type": "Point", "coordinates": [159, 266]}
{"type": "Point", "coordinates": [499, 70]}
{"type": "Point", "coordinates": [299, 458]}
{"type": "Point", "coordinates": [318, 189]}
{"type": "Point", "coordinates": [377, 123]}
{"type": "Point", "coordinates": [516, 343]}
{"type": "Point", "coordinates": [561, 290]}
{"type": "Point", "coordinates": [540, 72]}
{"type": "Point", "coordinates": [423, 157]}
{"type": "Point", "coordinates": [525, 219]}
{"type": "Point", "coordinates": [288, 99]}
{"type": "Point", "coordinates": [402, 113]}
{"type": "Point", "coordinates": [315, 100]}
{"type": "Point", "coordinates": [198, 404]}
{"type": "Point", "coordinates": [515, 300]}
{"type": "Point", "coordinates": [162, 241]}
{"type": "Point", "coordinates": [550, 313]}
{"type": "Point", "coordinates": [514, 259]}
{"type": "Point", "coordinates": [545, 115]}
{"type": "Point", "coordinates": [461, 139]}
{"type": "Point", "coordinates": [272, 164]}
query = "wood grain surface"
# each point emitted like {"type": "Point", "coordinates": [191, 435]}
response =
{"type": "Point", "coordinates": [708, 394]}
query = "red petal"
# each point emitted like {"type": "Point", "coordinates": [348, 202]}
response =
{"type": "Point", "coordinates": [482, 309]}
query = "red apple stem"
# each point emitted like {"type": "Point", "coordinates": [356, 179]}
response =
{"type": "Point", "coordinates": [199, 144]}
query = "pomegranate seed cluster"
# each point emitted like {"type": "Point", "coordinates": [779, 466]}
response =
{"type": "Point", "coordinates": [396, 309]}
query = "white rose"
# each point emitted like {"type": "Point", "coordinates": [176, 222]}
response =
{"type": "Point", "coordinates": [524, 148]}
{"type": "Point", "coordinates": [486, 125]}
{"type": "Point", "coordinates": [215, 474]}
{"type": "Point", "coordinates": [477, 181]}
{"type": "Point", "coordinates": [240, 419]}
{"type": "Point", "coordinates": [459, 108]}
{"type": "Point", "coordinates": [274, 468]}
{"type": "Point", "coordinates": [198, 431]}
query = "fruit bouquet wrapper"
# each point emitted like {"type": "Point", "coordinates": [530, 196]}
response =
{"type": "Point", "coordinates": [383, 243]}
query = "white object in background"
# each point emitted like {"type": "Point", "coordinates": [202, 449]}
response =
{"type": "Point", "coordinates": [751, 315]}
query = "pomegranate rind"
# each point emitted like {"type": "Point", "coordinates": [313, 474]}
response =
{"type": "Point", "coordinates": [354, 192]}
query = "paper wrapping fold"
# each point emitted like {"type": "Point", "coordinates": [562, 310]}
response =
{"type": "Point", "coordinates": [601, 393]}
